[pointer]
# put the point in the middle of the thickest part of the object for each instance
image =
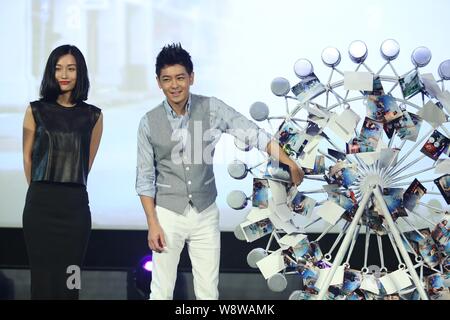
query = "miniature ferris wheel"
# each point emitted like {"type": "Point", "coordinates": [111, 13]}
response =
{"type": "Point", "coordinates": [372, 145]}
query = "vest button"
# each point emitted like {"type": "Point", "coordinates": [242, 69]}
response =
{"type": "Point", "coordinates": [189, 182]}
{"type": "Point", "coordinates": [190, 196]}
{"type": "Point", "coordinates": [187, 168]}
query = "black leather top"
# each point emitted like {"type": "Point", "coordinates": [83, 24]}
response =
{"type": "Point", "coordinates": [62, 141]}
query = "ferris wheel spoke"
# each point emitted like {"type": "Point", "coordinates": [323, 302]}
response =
{"type": "Point", "coordinates": [382, 68]}
{"type": "Point", "coordinates": [413, 174]}
{"type": "Point", "coordinates": [410, 151]}
{"type": "Point", "coordinates": [344, 246]}
{"type": "Point", "coordinates": [409, 165]}
{"type": "Point", "coordinates": [398, 241]}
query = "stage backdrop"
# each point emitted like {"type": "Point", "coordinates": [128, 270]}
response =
{"type": "Point", "coordinates": [237, 47]}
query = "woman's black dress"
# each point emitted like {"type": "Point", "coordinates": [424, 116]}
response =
{"type": "Point", "coordinates": [56, 217]}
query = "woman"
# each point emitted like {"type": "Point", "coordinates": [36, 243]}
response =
{"type": "Point", "coordinates": [61, 135]}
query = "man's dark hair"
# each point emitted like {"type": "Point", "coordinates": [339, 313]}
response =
{"type": "Point", "coordinates": [50, 89]}
{"type": "Point", "coordinates": [173, 54]}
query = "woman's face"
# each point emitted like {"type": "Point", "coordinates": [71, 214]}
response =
{"type": "Point", "coordinates": [66, 73]}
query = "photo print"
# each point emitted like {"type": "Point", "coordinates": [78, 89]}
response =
{"type": "Point", "coordinates": [410, 84]}
{"type": "Point", "coordinates": [375, 108]}
{"type": "Point", "coordinates": [434, 92]}
{"type": "Point", "coordinates": [354, 146]}
{"type": "Point", "coordinates": [447, 151]}
{"type": "Point", "coordinates": [377, 89]}
{"type": "Point", "coordinates": [394, 201]}
{"type": "Point", "coordinates": [260, 196]}
{"type": "Point", "coordinates": [429, 250]}
{"type": "Point", "coordinates": [435, 145]}
{"type": "Point", "coordinates": [349, 175]}
{"type": "Point", "coordinates": [443, 184]}
{"type": "Point", "coordinates": [394, 296]}
{"type": "Point", "coordinates": [308, 88]}
{"type": "Point", "coordinates": [357, 145]}
{"type": "Point", "coordinates": [319, 166]}
{"type": "Point", "coordinates": [342, 174]}
{"type": "Point", "coordinates": [413, 194]}
{"type": "Point", "coordinates": [302, 204]}
{"type": "Point", "coordinates": [277, 171]}
{"type": "Point", "coordinates": [409, 126]}
{"type": "Point", "coordinates": [310, 275]}
{"type": "Point", "coordinates": [290, 139]}
{"type": "Point", "coordinates": [358, 80]}
{"type": "Point", "coordinates": [391, 109]}
{"type": "Point", "coordinates": [335, 173]}
{"type": "Point", "coordinates": [433, 114]}
{"type": "Point", "coordinates": [335, 293]}
{"type": "Point", "coordinates": [374, 221]}
{"type": "Point", "coordinates": [344, 198]}
{"type": "Point", "coordinates": [336, 154]}
{"type": "Point", "coordinates": [312, 128]}
{"type": "Point", "coordinates": [435, 285]}
{"type": "Point", "coordinates": [371, 132]}
{"type": "Point", "coordinates": [303, 295]}
{"type": "Point", "coordinates": [256, 230]}
{"type": "Point", "coordinates": [344, 124]}
{"type": "Point", "coordinates": [441, 233]}
{"type": "Point", "coordinates": [289, 259]}
{"type": "Point", "coordinates": [424, 245]}
{"type": "Point", "coordinates": [382, 108]}
{"type": "Point", "coordinates": [307, 251]}
{"type": "Point", "coordinates": [355, 296]}
{"type": "Point", "coordinates": [391, 127]}
{"type": "Point", "coordinates": [352, 281]}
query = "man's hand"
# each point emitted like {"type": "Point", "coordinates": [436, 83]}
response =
{"type": "Point", "coordinates": [156, 240]}
{"type": "Point", "coordinates": [276, 152]}
{"type": "Point", "coordinates": [297, 174]}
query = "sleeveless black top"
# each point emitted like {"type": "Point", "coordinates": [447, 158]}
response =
{"type": "Point", "coordinates": [62, 141]}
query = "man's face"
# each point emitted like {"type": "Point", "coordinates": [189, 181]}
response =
{"type": "Point", "coordinates": [175, 82]}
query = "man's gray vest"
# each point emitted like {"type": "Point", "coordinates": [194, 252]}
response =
{"type": "Point", "coordinates": [185, 181]}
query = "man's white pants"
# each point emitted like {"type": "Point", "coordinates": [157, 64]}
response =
{"type": "Point", "coordinates": [201, 233]}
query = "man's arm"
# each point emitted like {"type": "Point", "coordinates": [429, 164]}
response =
{"type": "Point", "coordinates": [274, 150]}
{"type": "Point", "coordinates": [156, 240]}
{"type": "Point", "coordinates": [229, 120]}
{"type": "Point", "coordinates": [145, 186]}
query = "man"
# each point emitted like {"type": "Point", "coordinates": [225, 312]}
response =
{"type": "Point", "coordinates": [175, 178]}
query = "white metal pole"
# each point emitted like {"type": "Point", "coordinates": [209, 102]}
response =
{"type": "Point", "coordinates": [410, 151]}
{"type": "Point", "coordinates": [400, 245]}
{"type": "Point", "coordinates": [412, 174]}
{"type": "Point", "coordinates": [336, 241]}
{"type": "Point", "coordinates": [408, 165]}
{"type": "Point", "coordinates": [344, 246]}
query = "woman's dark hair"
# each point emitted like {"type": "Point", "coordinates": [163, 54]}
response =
{"type": "Point", "coordinates": [50, 89]}
{"type": "Point", "coordinates": [173, 54]}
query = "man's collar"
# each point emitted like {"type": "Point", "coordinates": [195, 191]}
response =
{"type": "Point", "coordinates": [170, 111]}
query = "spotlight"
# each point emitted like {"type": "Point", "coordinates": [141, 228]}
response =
{"type": "Point", "coordinates": [141, 276]}
{"type": "Point", "coordinates": [148, 266]}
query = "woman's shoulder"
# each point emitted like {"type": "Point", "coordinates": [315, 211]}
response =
{"type": "Point", "coordinates": [91, 107]}
{"type": "Point", "coordinates": [35, 106]}
{"type": "Point", "coordinates": [35, 103]}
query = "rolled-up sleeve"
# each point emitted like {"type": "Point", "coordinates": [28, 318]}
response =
{"type": "Point", "coordinates": [145, 168]}
{"type": "Point", "coordinates": [231, 121]}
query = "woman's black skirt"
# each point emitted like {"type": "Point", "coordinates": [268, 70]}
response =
{"type": "Point", "coordinates": [56, 225]}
